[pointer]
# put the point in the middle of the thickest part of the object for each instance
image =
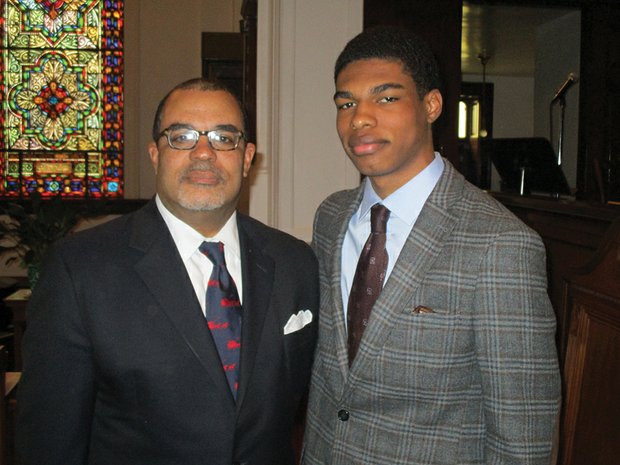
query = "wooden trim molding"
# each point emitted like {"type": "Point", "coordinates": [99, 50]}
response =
{"type": "Point", "coordinates": [591, 411]}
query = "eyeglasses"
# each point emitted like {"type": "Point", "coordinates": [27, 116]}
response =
{"type": "Point", "coordinates": [182, 138]}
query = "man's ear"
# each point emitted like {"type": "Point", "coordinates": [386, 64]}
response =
{"type": "Point", "coordinates": [154, 155]}
{"type": "Point", "coordinates": [248, 156]}
{"type": "Point", "coordinates": [433, 102]}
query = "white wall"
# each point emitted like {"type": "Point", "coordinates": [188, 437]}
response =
{"type": "Point", "coordinates": [513, 104]}
{"type": "Point", "coordinates": [302, 160]}
{"type": "Point", "coordinates": [513, 109]}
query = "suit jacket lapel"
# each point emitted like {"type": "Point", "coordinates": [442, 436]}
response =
{"type": "Point", "coordinates": [164, 273]}
{"type": "Point", "coordinates": [258, 274]}
{"type": "Point", "coordinates": [339, 227]}
{"type": "Point", "coordinates": [421, 249]}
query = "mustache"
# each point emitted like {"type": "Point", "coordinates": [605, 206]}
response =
{"type": "Point", "coordinates": [203, 166]}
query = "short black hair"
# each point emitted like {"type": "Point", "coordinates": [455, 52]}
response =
{"type": "Point", "coordinates": [394, 44]}
{"type": "Point", "coordinates": [202, 84]}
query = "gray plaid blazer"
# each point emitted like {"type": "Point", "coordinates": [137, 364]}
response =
{"type": "Point", "coordinates": [473, 377]}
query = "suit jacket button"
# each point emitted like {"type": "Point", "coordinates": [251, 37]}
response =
{"type": "Point", "coordinates": [343, 415]}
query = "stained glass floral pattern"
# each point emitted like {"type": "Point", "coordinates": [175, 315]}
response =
{"type": "Point", "coordinates": [54, 104]}
{"type": "Point", "coordinates": [61, 88]}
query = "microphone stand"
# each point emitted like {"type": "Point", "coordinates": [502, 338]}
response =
{"type": "Point", "coordinates": [562, 102]}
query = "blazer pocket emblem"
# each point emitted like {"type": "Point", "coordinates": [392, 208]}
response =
{"type": "Point", "coordinates": [298, 321]}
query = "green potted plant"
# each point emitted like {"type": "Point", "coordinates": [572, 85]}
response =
{"type": "Point", "coordinates": [27, 235]}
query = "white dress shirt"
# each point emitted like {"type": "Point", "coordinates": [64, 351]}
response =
{"type": "Point", "coordinates": [198, 266]}
{"type": "Point", "coordinates": [404, 204]}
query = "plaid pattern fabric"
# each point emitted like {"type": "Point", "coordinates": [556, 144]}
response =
{"type": "Point", "coordinates": [472, 379]}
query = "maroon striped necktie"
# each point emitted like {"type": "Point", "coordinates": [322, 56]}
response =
{"type": "Point", "coordinates": [368, 279]}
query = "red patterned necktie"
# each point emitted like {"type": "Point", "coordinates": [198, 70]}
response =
{"type": "Point", "coordinates": [368, 279]}
{"type": "Point", "coordinates": [224, 313]}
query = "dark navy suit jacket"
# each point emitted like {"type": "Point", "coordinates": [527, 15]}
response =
{"type": "Point", "coordinates": [120, 367]}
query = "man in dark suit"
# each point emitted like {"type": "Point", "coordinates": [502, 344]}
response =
{"type": "Point", "coordinates": [455, 361]}
{"type": "Point", "coordinates": [139, 349]}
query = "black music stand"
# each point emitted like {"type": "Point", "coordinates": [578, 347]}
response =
{"type": "Point", "coordinates": [526, 165]}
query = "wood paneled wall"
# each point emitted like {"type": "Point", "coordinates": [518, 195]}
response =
{"type": "Point", "coordinates": [591, 414]}
{"type": "Point", "coordinates": [572, 233]}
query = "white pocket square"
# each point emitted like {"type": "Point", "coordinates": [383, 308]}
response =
{"type": "Point", "coordinates": [298, 321]}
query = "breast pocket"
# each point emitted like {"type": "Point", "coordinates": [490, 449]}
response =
{"type": "Point", "coordinates": [424, 352]}
{"type": "Point", "coordinates": [299, 351]}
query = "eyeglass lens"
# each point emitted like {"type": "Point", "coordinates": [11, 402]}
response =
{"type": "Point", "coordinates": [187, 139]}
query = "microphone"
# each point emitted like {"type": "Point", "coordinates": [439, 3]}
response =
{"type": "Point", "coordinates": [570, 81]}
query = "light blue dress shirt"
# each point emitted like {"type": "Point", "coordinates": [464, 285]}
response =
{"type": "Point", "coordinates": [404, 204]}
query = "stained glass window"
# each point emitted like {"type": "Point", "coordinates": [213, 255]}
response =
{"type": "Point", "coordinates": [61, 85]}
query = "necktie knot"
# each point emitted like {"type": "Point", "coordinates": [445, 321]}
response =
{"type": "Point", "coordinates": [379, 215]}
{"type": "Point", "coordinates": [214, 251]}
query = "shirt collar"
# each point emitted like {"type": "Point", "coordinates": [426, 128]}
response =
{"type": "Point", "coordinates": [187, 239]}
{"type": "Point", "coordinates": [407, 201]}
